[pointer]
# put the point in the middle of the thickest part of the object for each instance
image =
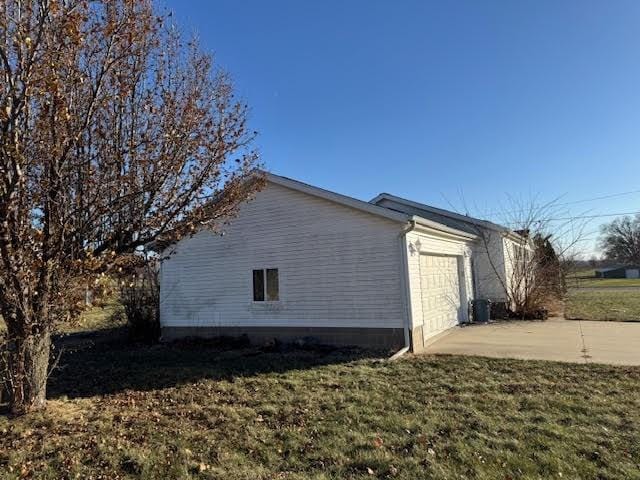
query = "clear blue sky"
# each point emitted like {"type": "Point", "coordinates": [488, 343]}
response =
{"type": "Point", "coordinates": [439, 101]}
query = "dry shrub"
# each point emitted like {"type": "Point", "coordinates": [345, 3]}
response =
{"type": "Point", "coordinates": [140, 297]}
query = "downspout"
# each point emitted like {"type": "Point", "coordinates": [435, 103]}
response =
{"type": "Point", "coordinates": [404, 285]}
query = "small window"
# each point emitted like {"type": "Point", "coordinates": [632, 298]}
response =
{"type": "Point", "coordinates": [266, 285]}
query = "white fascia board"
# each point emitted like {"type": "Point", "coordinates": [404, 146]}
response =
{"type": "Point", "coordinates": [378, 198]}
{"type": "Point", "coordinates": [337, 198]}
{"type": "Point", "coordinates": [520, 241]}
{"type": "Point", "coordinates": [431, 226]}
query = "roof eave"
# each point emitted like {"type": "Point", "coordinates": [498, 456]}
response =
{"type": "Point", "coordinates": [476, 222]}
{"type": "Point", "coordinates": [431, 225]}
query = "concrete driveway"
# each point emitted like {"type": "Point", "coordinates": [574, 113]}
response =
{"type": "Point", "coordinates": [616, 343]}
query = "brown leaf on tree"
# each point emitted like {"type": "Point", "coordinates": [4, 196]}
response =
{"type": "Point", "coordinates": [117, 137]}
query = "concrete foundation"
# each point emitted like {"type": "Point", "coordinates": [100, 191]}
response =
{"type": "Point", "coordinates": [386, 338]}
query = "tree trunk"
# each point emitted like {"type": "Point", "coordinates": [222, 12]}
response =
{"type": "Point", "coordinates": [28, 372]}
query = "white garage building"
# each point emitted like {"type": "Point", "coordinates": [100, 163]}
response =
{"type": "Point", "coordinates": [303, 263]}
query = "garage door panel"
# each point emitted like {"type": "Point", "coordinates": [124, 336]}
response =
{"type": "Point", "coordinates": [441, 302]}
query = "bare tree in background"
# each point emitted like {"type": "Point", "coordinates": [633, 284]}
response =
{"type": "Point", "coordinates": [538, 253]}
{"type": "Point", "coordinates": [114, 132]}
{"type": "Point", "coordinates": [620, 240]}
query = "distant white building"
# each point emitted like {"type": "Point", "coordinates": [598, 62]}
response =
{"type": "Point", "coordinates": [303, 263]}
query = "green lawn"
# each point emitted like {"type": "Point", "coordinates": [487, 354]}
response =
{"type": "Point", "coordinates": [96, 318]}
{"type": "Point", "coordinates": [197, 412]}
{"type": "Point", "coordinates": [610, 304]}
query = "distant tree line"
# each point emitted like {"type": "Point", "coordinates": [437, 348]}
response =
{"type": "Point", "coordinates": [620, 240]}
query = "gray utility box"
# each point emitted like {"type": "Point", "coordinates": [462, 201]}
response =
{"type": "Point", "coordinates": [481, 309]}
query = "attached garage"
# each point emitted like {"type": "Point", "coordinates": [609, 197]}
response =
{"type": "Point", "coordinates": [299, 263]}
{"type": "Point", "coordinates": [441, 296]}
{"type": "Point", "coordinates": [440, 281]}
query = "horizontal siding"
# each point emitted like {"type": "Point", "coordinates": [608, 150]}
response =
{"type": "Point", "coordinates": [490, 274]}
{"type": "Point", "coordinates": [338, 267]}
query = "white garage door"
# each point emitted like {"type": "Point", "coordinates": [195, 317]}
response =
{"type": "Point", "coordinates": [440, 285]}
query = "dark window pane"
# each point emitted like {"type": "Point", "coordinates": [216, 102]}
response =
{"type": "Point", "coordinates": [258, 285]}
{"type": "Point", "coordinates": [273, 289]}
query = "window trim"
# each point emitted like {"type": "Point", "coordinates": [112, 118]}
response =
{"type": "Point", "coordinates": [265, 296]}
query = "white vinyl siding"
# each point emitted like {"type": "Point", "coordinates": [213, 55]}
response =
{"type": "Point", "coordinates": [490, 266]}
{"type": "Point", "coordinates": [337, 267]}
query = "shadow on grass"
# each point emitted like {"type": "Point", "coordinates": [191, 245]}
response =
{"type": "Point", "coordinates": [93, 367]}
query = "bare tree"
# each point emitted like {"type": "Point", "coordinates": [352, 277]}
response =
{"type": "Point", "coordinates": [114, 132]}
{"type": "Point", "coordinates": [620, 240]}
{"type": "Point", "coordinates": [531, 258]}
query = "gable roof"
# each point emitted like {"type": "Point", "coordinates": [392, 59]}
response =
{"type": "Point", "coordinates": [452, 219]}
{"type": "Point", "coordinates": [372, 208]}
